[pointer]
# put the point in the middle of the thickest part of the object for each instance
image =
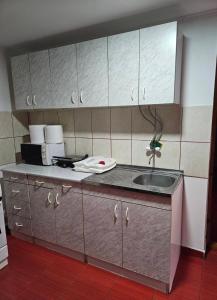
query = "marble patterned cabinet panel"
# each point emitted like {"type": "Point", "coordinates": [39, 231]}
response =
{"type": "Point", "coordinates": [63, 65]}
{"type": "Point", "coordinates": [69, 218]}
{"type": "Point", "coordinates": [21, 82]}
{"type": "Point", "coordinates": [146, 241]}
{"type": "Point", "coordinates": [102, 229]}
{"type": "Point", "coordinates": [123, 57]}
{"type": "Point", "coordinates": [93, 73]}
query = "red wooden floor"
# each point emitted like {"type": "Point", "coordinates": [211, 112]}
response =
{"type": "Point", "coordinates": [35, 273]}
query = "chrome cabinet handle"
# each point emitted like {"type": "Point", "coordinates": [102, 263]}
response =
{"type": "Point", "coordinates": [39, 182]}
{"type": "Point", "coordinates": [14, 178]}
{"type": "Point", "coordinates": [127, 216]}
{"type": "Point", "coordinates": [115, 213]}
{"type": "Point", "coordinates": [27, 101]}
{"type": "Point", "coordinates": [132, 94]}
{"type": "Point", "coordinates": [34, 100]}
{"type": "Point", "coordinates": [81, 96]}
{"type": "Point", "coordinates": [66, 186]}
{"type": "Point", "coordinates": [17, 208]}
{"type": "Point", "coordinates": [144, 93]}
{"type": "Point", "coordinates": [56, 200]}
{"type": "Point", "coordinates": [49, 201]}
{"type": "Point", "coordinates": [15, 191]}
{"type": "Point", "coordinates": [18, 224]}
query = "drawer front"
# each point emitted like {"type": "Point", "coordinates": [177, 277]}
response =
{"type": "Point", "coordinates": [39, 181]}
{"type": "Point", "coordinates": [19, 224]}
{"type": "Point", "coordinates": [21, 209]}
{"type": "Point", "coordinates": [16, 194]}
{"type": "Point", "coordinates": [15, 177]}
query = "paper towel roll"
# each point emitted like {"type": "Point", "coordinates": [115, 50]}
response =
{"type": "Point", "coordinates": [36, 134]}
{"type": "Point", "coordinates": [54, 134]}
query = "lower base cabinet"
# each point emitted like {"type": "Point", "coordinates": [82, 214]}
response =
{"type": "Point", "coordinates": [43, 214]}
{"type": "Point", "coordinates": [103, 229]}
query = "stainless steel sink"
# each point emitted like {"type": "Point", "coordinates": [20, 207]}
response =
{"type": "Point", "coordinates": [158, 180]}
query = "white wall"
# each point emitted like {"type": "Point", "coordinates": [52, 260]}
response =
{"type": "Point", "coordinates": [5, 101]}
{"type": "Point", "coordinates": [199, 57]}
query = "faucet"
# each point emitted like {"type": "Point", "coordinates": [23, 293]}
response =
{"type": "Point", "coordinates": [152, 152]}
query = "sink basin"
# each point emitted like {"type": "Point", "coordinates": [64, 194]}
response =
{"type": "Point", "coordinates": [159, 180]}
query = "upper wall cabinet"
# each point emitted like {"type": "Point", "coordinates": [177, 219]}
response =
{"type": "Point", "coordinates": [21, 82]}
{"type": "Point", "coordinates": [123, 57]}
{"type": "Point", "coordinates": [159, 65]}
{"type": "Point", "coordinates": [63, 67]}
{"type": "Point", "coordinates": [40, 79]}
{"type": "Point", "coordinates": [92, 64]}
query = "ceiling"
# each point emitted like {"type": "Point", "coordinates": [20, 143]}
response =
{"type": "Point", "coordinates": [28, 20]}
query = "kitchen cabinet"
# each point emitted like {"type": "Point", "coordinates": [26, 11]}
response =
{"type": "Point", "coordinates": [102, 229]}
{"type": "Point", "coordinates": [123, 58]}
{"type": "Point", "coordinates": [43, 213]}
{"type": "Point", "coordinates": [40, 79]}
{"type": "Point", "coordinates": [63, 68]}
{"type": "Point", "coordinates": [92, 62]}
{"type": "Point", "coordinates": [21, 82]}
{"type": "Point", "coordinates": [160, 64]}
{"type": "Point", "coordinates": [146, 240]}
{"type": "Point", "coordinates": [69, 218]}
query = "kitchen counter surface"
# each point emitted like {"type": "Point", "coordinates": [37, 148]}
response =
{"type": "Point", "coordinates": [123, 175]}
{"type": "Point", "coordinates": [47, 171]}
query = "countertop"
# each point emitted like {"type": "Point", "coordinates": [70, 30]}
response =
{"type": "Point", "coordinates": [47, 171]}
{"type": "Point", "coordinates": [123, 175]}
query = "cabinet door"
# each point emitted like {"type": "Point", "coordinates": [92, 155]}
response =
{"type": "Point", "coordinates": [69, 219]}
{"type": "Point", "coordinates": [102, 230]}
{"type": "Point", "coordinates": [21, 82]}
{"type": "Point", "coordinates": [93, 73]}
{"type": "Point", "coordinates": [146, 240]}
{"type": "Point", "coordinates": [157, 64]}
{"type": "Point", "coordinates": [43, 214]}
{"type": "Point", "coordinates": [123, 57]}
{"type": "Point", "coordinates": [40, 79]}
{"type": "Point", "coordinates": [63, 66]}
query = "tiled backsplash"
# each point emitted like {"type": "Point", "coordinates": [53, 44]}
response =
{"type": "Point", "coordinates": [13, 131]}
{"type": "Point", "coordinates": [123, 134]}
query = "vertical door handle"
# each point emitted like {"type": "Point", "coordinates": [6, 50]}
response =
{"type": "Point", "coordinates": [132, 94]}
{"type": "Point", "coordinates": [81, 96]}
{"type": "Point", "coordinates": [144, 93]}
{"type": "Point", "coordinates": [27, 101]}
{"type": "Point", "coordinates": [127, 216]}
{"type": "Point", "coordinates": [115, 213]}
{"type": "Point", "coordinates": [49, 201]}
{"type": "Point", "coordinates": [34, 100]}
{"type": "Point", "coordinates": [56, 200]}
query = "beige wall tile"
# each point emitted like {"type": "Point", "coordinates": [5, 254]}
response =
{"type": "Point", "coordinates": [20, 123]}
{"type": "Point", "coordinates": [36, 118]}
{"type": "Point", "coordinates": [195, 159]}
{"type": "Point", "coordinates": [83, 123]}
{"type": "Point", "coordinates": [170, 155]}
{"type": "Point", "coordinates": [7, 151]}
{"type": "Point", "coordinates": [51, 117]}
{"type": "Point", "coordinates": [121, 123]}
{"type": "Point", "coordinates": [19, 140]}
{"type": "Point", "coordinates": [141, 129]}
{"type": "Point", "coordinates": [171, 119]}
{"type": "Point", "coordinates": [139, 157]}
{"type": "Point", "coordinates": [66, 118]}
{"type": "Point", "coordinates": [197, 123]}
{"type": "Point", "coordinates": [6, 129]}
{"type": "Point", "coordinates": [102, 147]}
{"type": "Point", "coordinates": [83, 146]}
{"type": "Point", "coordinates": [69, 146]}
{"type": "Point", "coordinates": [121, 151]}
{"type": "Point", "coordinates": [101, 122]}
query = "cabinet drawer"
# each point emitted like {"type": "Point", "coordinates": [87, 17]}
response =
{"type": "Point", "coordinates": [20, 224]}
{"type": "Point", "coordinates": [16, 194]}
{"type": "Point", "coordinates": [39, 181]}
{"type": "Point", "coordinates": [15, 177]}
